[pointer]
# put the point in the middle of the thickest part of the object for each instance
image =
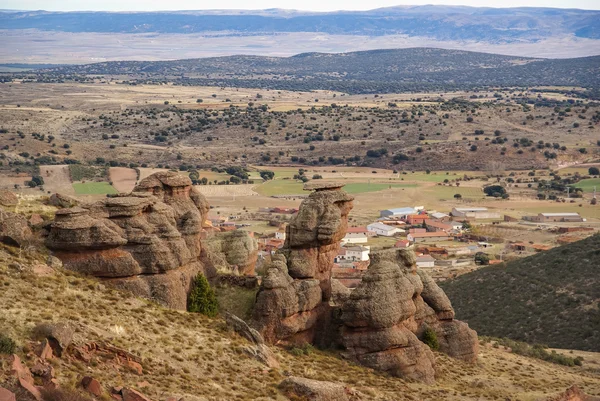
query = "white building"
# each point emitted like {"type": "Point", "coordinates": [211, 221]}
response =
{"type": "Point", "coordinates": [401, 213]}
{"type": "Point", "coordinates": [353, 254]}
{"type": "Point", "coordinates": [474, 213]}
{"type": "Point", "coordinates": [425, 261]}
{"type": "Point", "coordinates": [384, 230]}
{"type": "Point", "coordinates": [356, 235]}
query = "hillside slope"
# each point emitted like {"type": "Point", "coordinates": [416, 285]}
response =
{"type": "Point", "coordinates": [197, 358]}
{"type": "Point", "coordinates": [550, 298]}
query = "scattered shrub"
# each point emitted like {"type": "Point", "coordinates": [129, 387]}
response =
{"type": "Point", "coordinates": [430, 338]}
{"type": "Point", "coordinates": [7, 345]}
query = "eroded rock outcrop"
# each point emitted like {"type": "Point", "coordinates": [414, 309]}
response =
{"type": "Point", "coordinates": [14, 229]}
{"type": "Point", "coordinates": [317, 390]}
{"type": "Point", "coordinates": [292, 304]}
{"type": "Point", "coordinates": [385, 317]}
{"type": "Point", "coordinates": [232, 252]}
{"type": "Point", "coordinates": [8, 198]}
{"type": "Point", "coordinates": [147, 242]}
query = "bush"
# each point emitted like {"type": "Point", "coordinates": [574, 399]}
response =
{"type": "Point", "coordinates": [7, 345]}
{"type": "Point", "coordinates": [430, 338]}
{"type": "Point", "coordinates": [202, 298]}
{"type": "Point", "coordinates": [594, 171]}
{"type": "Point", "coordinates": [267, 175]}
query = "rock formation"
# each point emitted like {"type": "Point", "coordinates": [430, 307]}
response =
{"type": "Point", "coordinates": [573, 393]}
{"type": "Point", "coordinates": [14, 229]}
{"type": "Point", "coordinates": [147, 242]}
{"type": "Point", "coordinates": [232, 252]}
{"type": "Point", "coordinates": [292, 304]}
{"type": "Point", "coordinates": [258, 349]}
{"type": "Point", "coordinates": [387, 314]}
{"type": "Point", "coordinates": [316, 390]}
{"type": "Point", "coordinates": [8, 198]}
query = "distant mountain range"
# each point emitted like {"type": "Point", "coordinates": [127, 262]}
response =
{"type": "Point", "coordinates": [375, 71]}
{"type": "Point", "coordinates": [495, 25]}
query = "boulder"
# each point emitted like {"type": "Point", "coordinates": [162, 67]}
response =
{"type": "Point", "coordinates": [8, 198]}
{"type": "Point", "coordinates": [24, 377]}
{"type": "Point", "coordinates": [316, 390]}
{"type": "Point", "coordinates": [36, 221]}
{"type": "Point", "coordinates": [45, 350]}
{"type": "Point", "coordinates": [259, 350]}
{"type": "Point", "coordinates": [92, 386]}
{"type": "Point", "coordinates": [129, 394]}
{"type": "Point", "coordinates": [147, 242]}
{"type": "Point", "coordinates": [63, 201]}
{"type": "Point", "coordinates": [6, 395]}
{"type": "Point", "coordinates": [385, 316]}
{"type": "Point", "coordinates": [59, 335]}
{"type": "Point", "coordinates": [14, 229]}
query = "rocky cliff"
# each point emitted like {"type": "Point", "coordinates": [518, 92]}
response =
{"type": "Point", "coordinates": [147, 242]}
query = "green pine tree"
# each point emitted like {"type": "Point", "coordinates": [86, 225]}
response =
{"type": "Point", "coordinates": [430, 338]}
{"type": "Point", "coordinates": [202, 298]}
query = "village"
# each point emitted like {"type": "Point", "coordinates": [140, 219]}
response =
{"type": "Point", "coordinates": [446, 244]}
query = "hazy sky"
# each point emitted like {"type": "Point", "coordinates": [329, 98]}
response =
{"type": "Point", "coordinates": [313, 5]}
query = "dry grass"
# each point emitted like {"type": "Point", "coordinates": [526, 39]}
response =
{"type": "Point", "coordinates": [192, 356]}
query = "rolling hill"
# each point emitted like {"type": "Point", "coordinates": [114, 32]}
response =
{"type": "Point", "coordinates": [550, 298]}
{"type": "Point", "coordinates": [374, 71]}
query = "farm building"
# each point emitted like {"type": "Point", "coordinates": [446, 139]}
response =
{"type": "Point", "coordinates": [402, 212]}
{"type": "Point", "coordinates": [559, 217]}
{"type": "Point", "coordinates": [434, 226]}
{"type": "Point", "coordinates": [423, 237]}
{"type": "Point", "coordinates": [384, 230]}
{"type": "Point", "coordinates": [474, 213]}
{"type": "Point", "coordinates": [417, 219]}
{"type": "Point", "coordinates": [356, 235]}
{"type": "Point", "coordinates": [425, 261]}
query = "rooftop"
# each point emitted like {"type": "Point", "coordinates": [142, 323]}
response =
{"type": "Point", "coordinates": [439, 224]}
{"type": "Point", "coordinates": [381, 226]}
{"type": "Point", "coordinates": [357, 230]}
{"type": "Point", "coordinates": [560, 214]}
{"type": "Point", "coordinates": [426, 235]}
{"type": "Point", "coordinates": [471, 209]}
{"type": "Point", "coordinates": [402, 210]}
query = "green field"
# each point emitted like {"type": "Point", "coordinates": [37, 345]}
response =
{"type": "Point", "coordinates": [293, 187]}
{"type": "Point", "coordinates": [447, 193]}
{"type": "Point", "coordinates": [94, 188]}
{"type": "Point", "coordinates": [589, 184]}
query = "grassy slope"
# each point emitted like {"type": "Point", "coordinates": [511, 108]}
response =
{"type": "Point", "coordinates": [195, 357]}
{"type": "Point", "coordinates": [549, 298]}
